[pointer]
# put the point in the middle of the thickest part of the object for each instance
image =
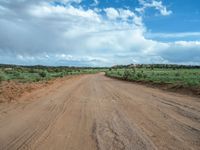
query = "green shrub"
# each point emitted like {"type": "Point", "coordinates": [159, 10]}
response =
{"type": "Point", "coordinates": [192, 83]}
{"type": "Point", "coordinates": [43, 74]}
{"type": "Point", "coordinates": [16, 74]}
{"type": "Point", "coordinates": [126, 75]}
{"type": "Point", "coordinates": [177, 74]}
{"type": "Point", "coordinates": [139, 75]}
{"type": "Point", "coordinates": [144, 76]}
{"type": "Point", "coordinates": [32, 70]}
{"type": "Point", "coordinates": [2, 77]}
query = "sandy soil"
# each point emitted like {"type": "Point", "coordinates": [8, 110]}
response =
{"type": "Point", "coordinates": [93, 112]}
{"type": "Point", "coordinates": [12, 90]}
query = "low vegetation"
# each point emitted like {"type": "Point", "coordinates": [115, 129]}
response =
{"type": "Point", "coordinates": [186, 76]}
{"type": "Point", "coordinates": [38, 73]}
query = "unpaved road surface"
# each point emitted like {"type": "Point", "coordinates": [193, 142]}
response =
{"type": "Point", "coordinates": [93, 112]}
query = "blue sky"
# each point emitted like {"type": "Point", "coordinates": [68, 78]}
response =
{"type": "Point", "coordinates": [99, 32]}
{"type": "Point", "coordinates": [185, 17]}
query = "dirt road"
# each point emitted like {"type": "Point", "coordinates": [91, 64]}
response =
{"type": "Point", "coordinates": [93, 112]}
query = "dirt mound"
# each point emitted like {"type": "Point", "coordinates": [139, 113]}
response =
{"type": "Point", "coordinates": [12, 90]}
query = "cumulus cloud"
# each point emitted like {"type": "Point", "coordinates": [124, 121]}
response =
{"type": "Point", "coordinates": [112, 13]}
{"type": "Point", "coordinates": [176, 35]}
{"type": "Point", "coordinates": [44, 32]}
{"type": "Point", "coordinates": [158, 5]}
{"type": "Point", "coordinates": [182, 52]}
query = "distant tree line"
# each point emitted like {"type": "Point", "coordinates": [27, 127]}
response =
{"type": "Point", "coordinates": [152, 66]}
{"type": "Point", "coordinates": [58, 68]}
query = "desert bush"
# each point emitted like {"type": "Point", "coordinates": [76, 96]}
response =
{"type": "Point", "coordinates": [43, 74]}
{"type": "Point", "coordinates": [139, 75]}
{"type": "Point", "coordinates": [118, 73]}
{"type": "Point", "coordinates": [127, 74]}
{"type": "Point", "coordinates": [16, 74]}
{"type": "Point", "coordinates": [32, 70]}
{"type": "Point", "coordinates": [2, 77]}
{"type": "Point", "coordinates": [177, 74]}
{"type": "Point", "coordinates": [144, 76]}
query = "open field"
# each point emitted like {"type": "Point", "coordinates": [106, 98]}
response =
{"type": "Point", "coordinates": [177, 78]}
{"type": "Point", "coordinates": [93, 112]}
{"type": "Point", "coordinates": [38, 73]}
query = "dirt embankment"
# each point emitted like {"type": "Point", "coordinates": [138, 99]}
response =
{"type": "Point", "coordinates": [93, 112]}
{"type": "Point", "coordinates": [13, 90]}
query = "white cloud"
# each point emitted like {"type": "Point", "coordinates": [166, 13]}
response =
{"type": "Point", "coordinates": [95, 3]}
{"type": "Point", "coordinates": [125, 15]}
{"type": "Point", "coordinates": [174, 35]}
{"type": "Point", "coordinates": [59, 12]}
{"type": "Point", "coordinates": [182, 52]}
{"type": "Point", "coordinates": [69, 1]}
{"type": "Point", "coordinates": [158, 5]}
{"type": "Point", "coordinates": [112, 13]}
{"type": "Point", "coordinates": [187, 44]}
{"type": "Point", "coordinates": [42, 33]}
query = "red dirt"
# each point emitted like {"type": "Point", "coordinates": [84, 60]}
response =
{"type": "Point", "coordinates": [12, 90]}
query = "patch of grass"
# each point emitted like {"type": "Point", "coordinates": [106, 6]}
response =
{"type": "Point", "coordinates": [1, 78]}
{"type": "Point", "coordinates": [183, 77]}
{"type": "Point", "coordinates": [38, 73]}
